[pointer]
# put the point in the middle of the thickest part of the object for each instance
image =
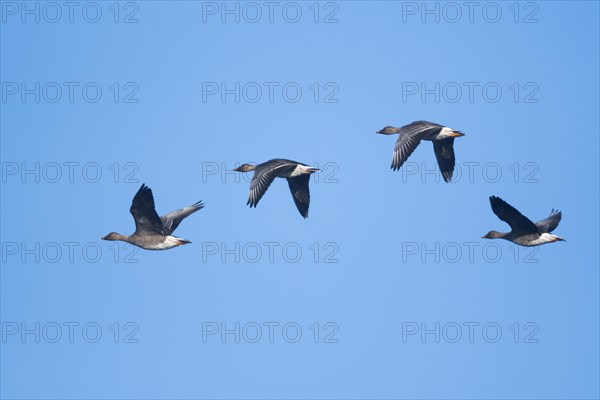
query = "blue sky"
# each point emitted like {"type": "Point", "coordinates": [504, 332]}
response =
{"type": "Point", "coordinates": [387, 289]}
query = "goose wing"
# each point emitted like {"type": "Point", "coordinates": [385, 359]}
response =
{"type": "Point", "coordinates": [507, 213]}
{"type": "Point", "coordinates": [549, 224]}
{"type": "Point", "coordinates": [172, 220]}
{"type": "Point", "coordinates": [410, 137]}
{"type": "Point", "coordinates": [144, 213]}
{"type": "Point", "coordinates": [264, 175]}
{"type": "Point", "coordinates": [444, 153]}
{"type": "Point", "coordinates": [300, 193]}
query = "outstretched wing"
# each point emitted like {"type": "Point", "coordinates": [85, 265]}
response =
{"type": "Point", "coordinates": [444, 153]}
{"type": "Point", "coordinates": [549, 224]}
{"type": "Point", "coordinates": [300, 193]}
{"type": "Point", "coordinates": [410, 137]}
{"type": "Point", "coordinates": [510, 215]}
{"type": "Point", "coordinates": [144, 214]}
{"type": "Point", "coordinates": [261, 181]}
{"type": "Point", "coordinates": [172, 220]}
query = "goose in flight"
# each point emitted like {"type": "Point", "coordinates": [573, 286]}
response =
{"type": "Point", "coordinates": [523, 231]}
{"type": "Point", "coordinates": [412, 134]}
{"type": "Point", "coordinates": [297, 175]}
{"type": "Point", "coordinates": [151, 231]}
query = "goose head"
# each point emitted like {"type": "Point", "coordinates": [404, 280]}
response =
{"type": "Point", "coordinates": [245, 168]}
{"type": "Point", "coordinates": [388, 130]}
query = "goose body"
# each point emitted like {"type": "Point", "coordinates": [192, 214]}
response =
{"type": "Point", "coordinates": [523, 231]}
{"type": "Point", "coordinates": [297, 175]}
{"type": "Point", "coordinates": [151, 231]}
{"type": "Point", "coordinates": [412, 134]}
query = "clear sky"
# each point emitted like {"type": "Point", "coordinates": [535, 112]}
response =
{"type": "Point", "coordinates": [387, 290]}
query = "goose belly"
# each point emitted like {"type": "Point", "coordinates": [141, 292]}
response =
{"type": "Point", "coordinates": [168, 243]}
{"type": "Point", "coordinates": [293, 172]}
{"type": "Point", "coordinates": [542, 239]}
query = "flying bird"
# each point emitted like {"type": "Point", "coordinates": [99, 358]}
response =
{"type": "Point", "coordinates": [297, 175]}
{"type": "Point", "coordinates": [151, 231]}
{"type": "Point", "coordinates": [412, 134]}
{"type": "Point", "coordinates": [523, 231]}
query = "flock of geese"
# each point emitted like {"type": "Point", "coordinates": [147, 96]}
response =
{"type": "Point", "coordinates": [155, 233]}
